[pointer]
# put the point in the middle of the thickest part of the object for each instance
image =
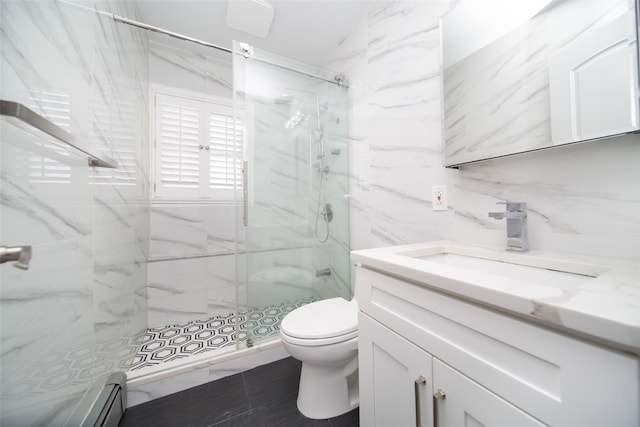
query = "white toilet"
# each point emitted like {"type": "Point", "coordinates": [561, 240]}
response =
{"type": "Point", "coordinates": [323, 335]}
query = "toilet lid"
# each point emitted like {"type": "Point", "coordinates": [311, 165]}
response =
{"type": "Point", "coordinates": [322, 319]}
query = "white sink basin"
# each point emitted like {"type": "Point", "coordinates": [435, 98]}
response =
{"type": "Point", "coordinates": [509, 265]}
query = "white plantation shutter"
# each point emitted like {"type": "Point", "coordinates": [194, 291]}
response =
{"type": "Point", "coordinates": [225, 167]}
{"type": "Point", "coordinates": [198, 154]}
{"type": "Point", "coordinates": [56, 107]}
{"type": "Point", "coordinates": [179, 152]}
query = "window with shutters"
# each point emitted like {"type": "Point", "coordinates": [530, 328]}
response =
{"type": "Point", "coordinates": [56, 107]}
{"type": "Point", "coordinates": [198, 149]}
{"type": "Point", "coordinates": [117, 121]}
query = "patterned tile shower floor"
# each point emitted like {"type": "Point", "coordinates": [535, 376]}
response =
{"type": "Point", "coordinates": [183, 340]}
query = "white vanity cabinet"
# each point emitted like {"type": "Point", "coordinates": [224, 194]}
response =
{"type": "Point", "coordinates": [494, 369]}
{"type": "Point", "coordinates": [395, 375]}
{"type": "Point", "coordinates": [402, 385]}
{"type": "Point", "coordinates": [466, 403]}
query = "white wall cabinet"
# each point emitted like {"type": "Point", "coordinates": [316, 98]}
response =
{"type": "Point", "coordinates": [495, 370]}
{"type": "Point", "coordinates": [594, 83]}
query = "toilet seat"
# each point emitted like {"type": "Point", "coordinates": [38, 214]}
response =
{"type": "Point", "coordinates": [318, 342]}
{"type": "Point", "coordinates": [321, 323]}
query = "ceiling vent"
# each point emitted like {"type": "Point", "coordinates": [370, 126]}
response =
{"type": "Point", "coordinates": [250, 16]}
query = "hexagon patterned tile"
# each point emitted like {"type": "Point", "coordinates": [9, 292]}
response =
{"type": "Point", "coordinates": [182, 340]}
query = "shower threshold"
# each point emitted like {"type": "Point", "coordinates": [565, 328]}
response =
{"type": "Point", "coordinates": [217, 334]}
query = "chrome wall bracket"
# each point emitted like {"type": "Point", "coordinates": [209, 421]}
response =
{"type": "Point", "coordinates": [342, 81]}
{"type": "Point", "coordinates": [246, 49]}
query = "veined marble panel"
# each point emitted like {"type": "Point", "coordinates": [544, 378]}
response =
{"type": "Point", "coordinates": [118, 267]}
{"type": "Point", "coordinates": [175, 67]}
{"type": "Point", "coordinates": [193, 229]}
{"type": "Point", "coordinates": [177, 291]}
{"type": "Point", "coordinates": [177, 230]}
{"type": "Point", "coordinates": [223, 285]}
{"type": "Point", "coordinates": [45, 310]}
{"type": "Point", "coordinates": [404, 100]}
{"type": "Point", "coordinates": [174, 309]}
{"type": "Point", "coordinates": [47, 62]}
{"type": "Point", "coordinates": [584, 200]}
{"type": "Point", "coordinates": [220, 223]}
{"type": "Point", "coordinates": [187, 68]}
{"type": "Point", "coordinates": [279, 275]}
{"type": "Point", "coordinates": [50, 216]}
{"type": "Point", "coordinates": [203, 287]}
{"type": "Point", "coordinates": [63, 319]}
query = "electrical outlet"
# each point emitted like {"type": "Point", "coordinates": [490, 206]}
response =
{"type": "Point", "coordinates": [439, 197]}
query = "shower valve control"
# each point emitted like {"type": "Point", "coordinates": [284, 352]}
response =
{"type": "Point", "coordinates": [327, 213]}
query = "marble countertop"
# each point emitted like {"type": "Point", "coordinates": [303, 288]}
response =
{"type": "Point", "coordinates": [596, 298]}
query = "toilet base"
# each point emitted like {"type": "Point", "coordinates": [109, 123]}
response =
{"type": "Point", "coordinates": [327, 392]}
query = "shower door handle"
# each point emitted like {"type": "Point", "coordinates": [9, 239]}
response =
{"type": "Point", "coordinates": [245, 193]}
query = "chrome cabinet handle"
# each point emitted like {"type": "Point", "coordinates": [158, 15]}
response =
{"type": "Point", "coordinates": [438, 395]}
{"type": "Point", "coordinates": [416, 392]}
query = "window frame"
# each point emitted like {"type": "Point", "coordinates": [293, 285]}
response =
{"type": "Point", "coordinates": [210, 196]}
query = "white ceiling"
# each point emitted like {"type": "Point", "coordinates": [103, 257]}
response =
{"type": "Point", "coordinates": [306, 30]}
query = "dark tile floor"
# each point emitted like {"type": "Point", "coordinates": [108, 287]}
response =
{"type": "Point", "coordinates": [263, 396]}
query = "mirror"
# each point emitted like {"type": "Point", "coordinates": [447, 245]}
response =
{"type": "Point", "coordinates": [525, 75]}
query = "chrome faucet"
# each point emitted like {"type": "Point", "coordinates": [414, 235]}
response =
{"type": "Point", "coordinates": [325, 272]}
{"type": "Point", "coordinates": [19, 254]}
{"type": "Point", "coordinates": [516, 216]}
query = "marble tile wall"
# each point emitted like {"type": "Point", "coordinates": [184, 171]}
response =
{"type": "Point", "coordinates": [583, 199]}
{"type": "Point", "coordinates": [391, 60]}
{"type": "Point", "coordinates": [67, 320]}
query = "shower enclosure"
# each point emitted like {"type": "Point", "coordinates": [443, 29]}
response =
{"type": "Point", "coordinates": [117, 271]}
{"type": "Point", "coordinates": [295, 193]}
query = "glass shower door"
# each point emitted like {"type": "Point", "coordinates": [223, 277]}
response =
{"type": "Point", "coordinates": [295, 235]}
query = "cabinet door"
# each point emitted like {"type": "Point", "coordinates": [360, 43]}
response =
{"type": "Point", "coordinates": [466, 403]}
{"type": "Point", "coordinates": [594, 83]}
{"type": "Point", "coordinates": [391, 373]}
